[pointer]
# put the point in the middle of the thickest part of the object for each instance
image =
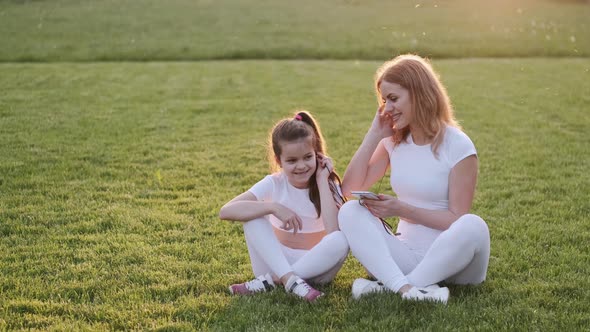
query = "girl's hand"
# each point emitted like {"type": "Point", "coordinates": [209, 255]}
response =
{"type": "Point", "coordinates": [290, 219]}
{"type": "Point", "coordinates": [325, 167]}
{"type": "Point", "coordinates": [387, 206]}
{"type": "Point", "coordinates": [382, 123]}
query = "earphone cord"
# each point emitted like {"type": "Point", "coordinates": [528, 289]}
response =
{"type": "Point", "coordinates": [386, 225]}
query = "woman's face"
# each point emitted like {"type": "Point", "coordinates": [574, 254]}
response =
{"type": "Point", "coordinates": [397, 104]}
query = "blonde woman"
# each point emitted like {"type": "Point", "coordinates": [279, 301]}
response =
{"type": "Point", "coordinates": [433, 174]}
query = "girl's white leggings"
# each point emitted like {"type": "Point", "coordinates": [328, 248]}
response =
{"type": "Point", "coordinates": [268, 255]}
{"type": "Point", "coordinates": [459, 255]}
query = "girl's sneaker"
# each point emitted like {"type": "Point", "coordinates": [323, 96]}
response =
{"type": "Point", "coordinates": [363, 286]}
{"type": "Point", "coordinates": [440, 294]}
{"type": "Point", "coordinates": [302, 289]}
{"type": "Point", "coordinates": [261, 284]}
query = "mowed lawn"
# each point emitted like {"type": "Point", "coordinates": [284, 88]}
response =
{"type": "Point", "coordinates": [148, 30]}
{"type": "Point", "coordinates": [112, 176]}
{"type": "Point", "coordinates": [112, 173]}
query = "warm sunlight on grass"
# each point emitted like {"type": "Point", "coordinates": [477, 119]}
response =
{"type": "Point", "coordinates": [68, 30]}
{"type": "Point", "coordinates": [123, 138]}
{"type": "Point", "coordinates": [113, 174]}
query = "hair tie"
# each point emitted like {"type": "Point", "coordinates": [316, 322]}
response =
{"type": "Point", "coordinates": [298, 117]}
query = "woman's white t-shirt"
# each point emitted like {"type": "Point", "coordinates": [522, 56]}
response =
{"type": "Point", "coordinates": [421, 179]}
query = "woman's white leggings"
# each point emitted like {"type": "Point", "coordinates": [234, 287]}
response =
{"type": "Point", "coordinates": [459, 255]}
{"type": "Point", "coordinates": [267, 255]}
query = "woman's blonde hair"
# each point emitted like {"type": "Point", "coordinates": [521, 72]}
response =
{"type": "Point", "coordinates": [431, 105]}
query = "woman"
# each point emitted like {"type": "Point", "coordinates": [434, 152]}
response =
{"type": "Point", "coordinates": [433, 173]}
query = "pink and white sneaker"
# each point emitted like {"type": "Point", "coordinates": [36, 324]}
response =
{"type": "Point", "coordinates": [302, 289]}
{"type": "Point", "coordinates": [262, 283]}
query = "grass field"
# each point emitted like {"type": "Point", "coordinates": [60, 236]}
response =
{"type": "Point", "coordinates": [113, 174]}
{"type": "Point", "coordinates": [148, 30]}
{"type": "Point", "coordinates": [118, 151]}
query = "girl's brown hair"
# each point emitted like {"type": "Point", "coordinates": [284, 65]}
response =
{"type": "Point", "coordinates": [303, 125]}
{"type": "Point", "coordinates": [431, 105]}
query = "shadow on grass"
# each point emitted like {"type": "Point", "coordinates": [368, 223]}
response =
{"type": "Point", "coordinates": [336, 310]}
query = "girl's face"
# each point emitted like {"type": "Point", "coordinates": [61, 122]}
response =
{"type": "Point", "coordinates": [397, 104]}
{"type": "Point", "coordinates": [298, 161]}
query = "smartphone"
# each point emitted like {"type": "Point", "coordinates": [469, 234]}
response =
{"type": "Point", "coordinates": [364, 194]}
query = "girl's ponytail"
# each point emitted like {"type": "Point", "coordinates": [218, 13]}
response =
{"type": "Point", "coordinates": [306, 117]}
{"type": "Point", "coordinates": [333, 180]}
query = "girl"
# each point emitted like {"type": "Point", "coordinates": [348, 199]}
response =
{"type": "Point", "coordinates": [433, 173]}
{"type": "Point", "coordinates": [290, 217]}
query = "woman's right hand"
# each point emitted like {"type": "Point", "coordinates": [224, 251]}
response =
{"type": "Point", "coordinates": [382, 124]}
{"type": "Point", "coordinates": [290, 219]}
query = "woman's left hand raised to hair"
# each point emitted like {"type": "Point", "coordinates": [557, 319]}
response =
{"type": "Point", "coordinates": [387, 206]}
{"type": "Point", "coordinates": [325, 167]}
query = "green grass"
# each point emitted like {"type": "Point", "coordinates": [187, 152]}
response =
{"type": "Point", "coordinates": [112, 175]}
{"type": "Point", "coordinates": [148, 30]}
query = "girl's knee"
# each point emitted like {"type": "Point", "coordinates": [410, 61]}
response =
{"type": "Point", "coordinates": [256, 223]}
{"type": "Point", "coordinates": [261, 220]}
{"type": "Point", "coordinates": [338, 244]}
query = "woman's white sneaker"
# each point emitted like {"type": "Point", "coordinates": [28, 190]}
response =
{"type": "Point", "coordinates": [363, 286]}
{"type": "Point", "coordinates": [440, 294]}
